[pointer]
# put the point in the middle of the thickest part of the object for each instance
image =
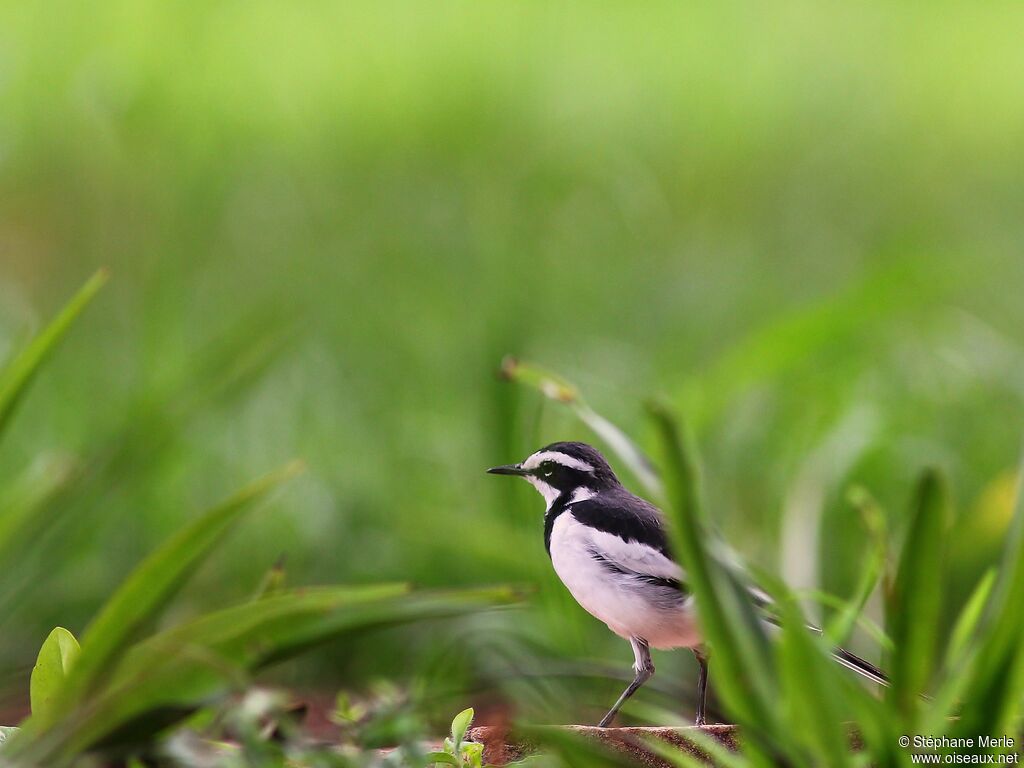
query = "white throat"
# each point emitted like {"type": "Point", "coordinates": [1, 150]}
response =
{"type": "Point", "coordinates": [550, 493]}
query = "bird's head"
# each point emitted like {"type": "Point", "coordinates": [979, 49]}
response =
{"type": "Point", "coordinates": [563, 468]}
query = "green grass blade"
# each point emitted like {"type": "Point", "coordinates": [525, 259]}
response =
{"type": "Point", "coordinates": [147, 590]}
{"type": "Point", "coordinates": [25, 511]}
{"type": "Point", "coordinates": [19, 372]}
{"type": "Point", "coordinates": [915, 608]}
{"type": "Point", "coordinates": [219, 629]}
{"type": "Point", "coordinates": [168, 676]}
{"type": "Point", "coordinates": [741, 655]}
{"type": "Point", "coordinates": [961, 655]}
{"type": "Point", "coordinates": [838, 630]}
{"type": "Point", "coordinates": [969, 618]}
{"type": "Point", "coordinates": [556, 388]}
{"type": "Point", "coordinates": [812, 690]}
{"type": "Point", "coordinates": [991, 697]}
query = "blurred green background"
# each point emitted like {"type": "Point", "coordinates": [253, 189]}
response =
{"type": "Point", "coordinates": [326, 224]}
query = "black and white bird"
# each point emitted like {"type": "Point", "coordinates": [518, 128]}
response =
{"type": "Point", "coordinates": [610, 549]}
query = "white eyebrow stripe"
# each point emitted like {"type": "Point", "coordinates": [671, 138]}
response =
{"type": "Point", "coordinates": [558, 457]}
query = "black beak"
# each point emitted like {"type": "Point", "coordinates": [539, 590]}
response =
{"type": "Point", "coordinates": [507, 469]}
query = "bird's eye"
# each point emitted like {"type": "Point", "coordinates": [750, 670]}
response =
{"type": "Point", "coordinates": [547, 468]}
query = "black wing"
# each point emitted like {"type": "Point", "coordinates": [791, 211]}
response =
{"type": "Point", "coordinates": [629, 517]}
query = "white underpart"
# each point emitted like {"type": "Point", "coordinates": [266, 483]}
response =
{"type": "Point", "coordinates": [535, 460]}
{"type": "Point", "coordinates": [629, 606]}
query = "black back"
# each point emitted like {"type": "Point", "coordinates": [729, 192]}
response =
{"type": "Point", "coordinates": [615, 511]}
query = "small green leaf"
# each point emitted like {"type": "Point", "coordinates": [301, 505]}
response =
{"type": "Point", "coordinates": [432, 758]}
{"type": "Point", "coordinates": [55, 659]}
{"type": "Point", "coordinates": [460, 725]}
{"type": "Point", "coordinates": [473, 754]}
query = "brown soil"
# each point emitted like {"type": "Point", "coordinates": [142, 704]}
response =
{"type": "Point", "coordinates": [502, 746]}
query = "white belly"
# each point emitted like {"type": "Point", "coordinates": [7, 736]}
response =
{"type": "Point", "coordinates": [629, 608]}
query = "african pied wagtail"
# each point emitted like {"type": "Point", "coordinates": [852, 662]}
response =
{"type": "Point", "coordinates": [609, 547]}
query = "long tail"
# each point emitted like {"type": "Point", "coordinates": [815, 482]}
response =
{"type": "Point", "coordinates": [861, 667]}
{"type": "Point", "coordinates": [849, 660]}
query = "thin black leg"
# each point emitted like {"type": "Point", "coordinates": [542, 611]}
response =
{"type": "Point", "coordinates": [702, 686]}
{"type": "Point", "coordinates": [644, 669]}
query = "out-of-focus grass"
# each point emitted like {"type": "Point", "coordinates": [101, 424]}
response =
{"type": "Point", "coordinates": [328, 223]}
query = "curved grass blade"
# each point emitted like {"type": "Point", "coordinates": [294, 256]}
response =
{"type": "Point", "coordinates": [961, 654]}
{"type": "Point", "coordinates": [821, 696]}
{"type": "Point", "coordinates": [838, 630]}
{"type": "Point", "coordinates": [21, 499]}
{"type": "Point", "coordinates": [811, 689]}
{"type": "Point", "coordinates": [915, 607]}
{"type": "Point", "coordinates": [556, 388]}
{"type": "Point", "coordinates": [741, 655]}
{"type": "Point", "coordinates": [149, 588]}
{"type": "Point", "coordinates": [19, 372]}
{"type": "Point", "coordinates": [219, 629]}
{"type": "Point", "coordinates": [25, 512]}
{"type": "Point", "coordinates": [970, 616]}
{"type": "Point", "coordinates": [992, 693]}
{"type": "Point", "coordinates": [167, 677]}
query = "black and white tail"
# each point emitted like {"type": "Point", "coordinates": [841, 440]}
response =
{"type": "Point", "coordinates": [849, 660]}
{"type": "Point", "coordinates": [861, 667]}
